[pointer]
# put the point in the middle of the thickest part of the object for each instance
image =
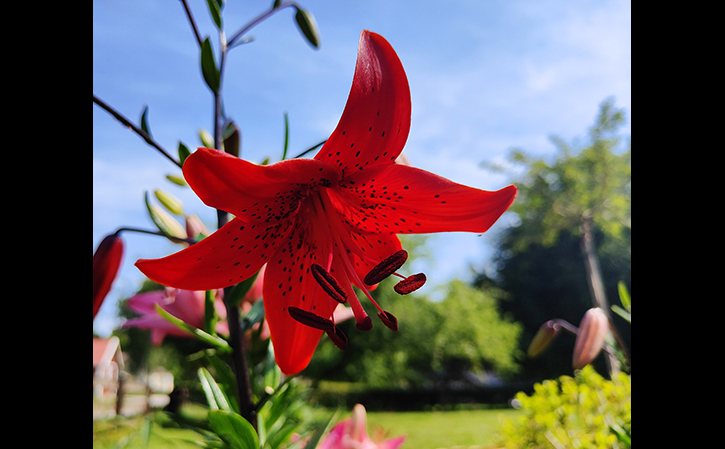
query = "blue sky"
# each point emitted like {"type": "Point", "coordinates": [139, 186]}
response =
{"type": "Point", "coordinates": [485, 77]}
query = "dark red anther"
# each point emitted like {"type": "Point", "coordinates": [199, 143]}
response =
{"type": "Point", "coordinates": [389, 320]}
{"type": "Point", "coordinates": [410, 284]}
{"type": "Point", "coordinates": [337, 337]}
{"type": "Point", "coordinates": [387, 267]}
{"type": "Point", "coordinates": [310, 319]}
{"type": "Point", "coordinates": [365, 324]}
{"type": "Point", "coordinates": [328, 283]}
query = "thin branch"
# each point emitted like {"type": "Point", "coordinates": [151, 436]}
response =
{"type": "Point", "coordinates": [192, 22]}
{"type": "Point", "coordinates": [161, 234]}
{"type": "Point", "coordinates": [310, 149]}
{"type": "Point", "coordinates": [258, 19]}
{"type": "Point", "coordinates": [117, 115]}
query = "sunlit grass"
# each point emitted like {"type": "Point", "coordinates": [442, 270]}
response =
{"type": "Point", "coordinates": [424, 430]}
{"type": "Point", "coordinates": [441, 429]}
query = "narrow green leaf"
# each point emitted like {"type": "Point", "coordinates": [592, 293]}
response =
{"type": "Point", "coordinates": [624, 295]}
{"type": "Point", "coordinates": [317, 435]}
{"type": "Point", "coordinates": [219, 397]}
{"type": "Point", "coordinates": [145, 120]}
{"type": "Point", "coordinates": [254, 316]}
{"type": "Point", "coordinates": [213, 340]}
{"type": "Point", "coordinates": [308, 27]}
{"type": "Point", "coordinates": [241, 289]}
{"type": "Point", "coordinates": [184, 152]}
{"type": "Point", "coordinates": [233, 429]}
{"type": "Point", "coordinates": [208, 67]}
{"type": "Point", "coordinates": [215, 9]}
{"type": "Point", "coordinates": [621, 312]}
{"type": "Point", "coordinates": [286, 136]}
{"type": "Point", "coordinates": [206, 387]}
{"type": "Point", "coordinates": [262, 430]}
{"type": "Point", "coordinates": [225, 375]}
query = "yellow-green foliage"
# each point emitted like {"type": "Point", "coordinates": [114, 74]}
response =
{"type": "Point", "coordinates": [586, 411]}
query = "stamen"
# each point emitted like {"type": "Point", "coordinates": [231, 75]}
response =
{"type": "Point", "coordinates": [337, 337]}
{"type": "Point", "coordinates": [328, 283]}
{"type": "Point", "coordinates": [389, 320]}
{"type": "Point", "coordinates": [410, 284]}
{"type": "Point", "coordinates": [387, 267]}
{"type": "Point", "coordinates": [365, 324]}
{"type": "Point", "coordinates": [310, 319]}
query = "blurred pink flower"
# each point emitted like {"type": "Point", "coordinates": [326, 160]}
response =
{"type": "Point", "coordinates": [351, 433]}
{"type": "Point", "coordinates": [186, 305]}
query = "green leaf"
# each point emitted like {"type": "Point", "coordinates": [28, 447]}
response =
{"type": "Point", "coordinates": [624, 295]}
{"type": "Point", "coordinates": [208, 67]}
{"type": "Point", "coordinates": [254, 316]}
{"type": "Point", "coordinates": [286, 136]}
{"type": "Point", "coordinates": [234, 430]}
{"type": "Point", "coordinates": [241, 289]}
{"type": "Point", "coordinates": [214, 395]}
{"type": "Point", "coordinates": [308, 27]}
{"type": "Point", "coordinates": [215, 8]}
{"type": "Point", "coordinates": [213, 340]}
{"type": "Point", "coordinates": [184, 152]}
{"type": "Point", "coordinates": [317, 435]}
{"type": "Point", "coordinates": [145, 120]}
{"type": "Point", "coordinates": [621, 312]}
{"type": "Point", "coordinates": [225, 375]}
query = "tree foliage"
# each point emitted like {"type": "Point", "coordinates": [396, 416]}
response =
{"type": "Point", "coordinates": [438, 342]}
{"type": "Point", "coordinates": [540, 263]}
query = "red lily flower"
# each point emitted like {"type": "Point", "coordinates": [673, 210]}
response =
{"type": "Point", "coordinates": [323, 224]}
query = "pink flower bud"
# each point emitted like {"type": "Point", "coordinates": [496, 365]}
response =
{"type": "Point", "coordinates": [543, 338]}
{"type": "Point", "coordinates": [106, 261]}
{"type": "Point", "coordinates": [194, 227]}
{"type": "Point", "coordinates": [590, 339]}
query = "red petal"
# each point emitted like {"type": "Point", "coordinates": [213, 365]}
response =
{"type": "Point", "coordinates": [228, 256]}
{"type": "Point", "coordinates": [376, 120]}
{"type": "Point", "coordinates": [407, 200]}
{"type": "Point", "coordinates": [288, 282]}
{"type": "Point", "coordinates": [254, 193]}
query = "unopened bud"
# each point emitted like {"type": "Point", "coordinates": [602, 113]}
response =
{"type": "Point", "coordinates": [106, 261]}
{"type": "Point", "coordinates": [590, 339]}
{"type": "Point", "coordinates": [543, 338]}
{"type": "Point", "coordinates": [194, 227]}
{"type": "Point", "coordinates": [170, 202]}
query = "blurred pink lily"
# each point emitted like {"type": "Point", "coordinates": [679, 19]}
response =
{"type": "Point", "coordinates": [351, 433]}
{"type": "Point", "coordinates": [186, 305]}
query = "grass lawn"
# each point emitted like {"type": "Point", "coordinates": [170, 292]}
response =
{"type": "Point", "coordinates": [441, 429]}
{"type": "Point", "coordinates": [425, 430]}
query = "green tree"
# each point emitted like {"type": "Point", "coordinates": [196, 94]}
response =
{"type": "Point", "coordinates": [584, 193]}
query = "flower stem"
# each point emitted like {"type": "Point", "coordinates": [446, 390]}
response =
{"type": "Point", "coordinates": [192, 22]}
{"type": "Point", "coordinates": [257, 20]}
{"type": "Point", "coordinates": [146, 231]}
{"type": "Point", "coordinates": [117, 115]}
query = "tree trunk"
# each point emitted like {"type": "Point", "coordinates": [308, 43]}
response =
{"type": "Point", "coordinates": [596, 284]}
